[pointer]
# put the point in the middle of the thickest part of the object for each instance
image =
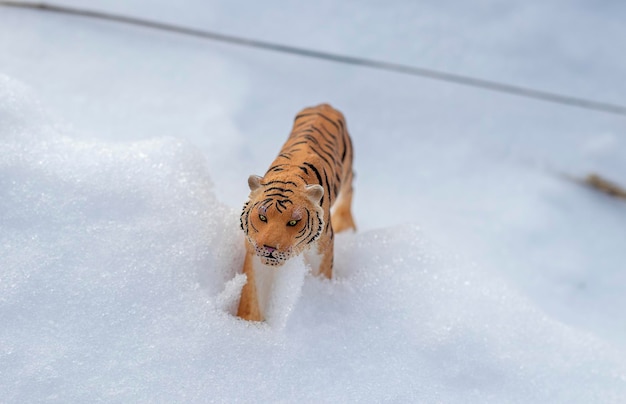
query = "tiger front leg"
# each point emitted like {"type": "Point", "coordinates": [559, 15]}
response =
{"type": "Point", "coordinates": [249, 302]}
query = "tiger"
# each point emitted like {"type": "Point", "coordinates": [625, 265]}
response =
{"type": "Point", "coordinates": [302, 200]}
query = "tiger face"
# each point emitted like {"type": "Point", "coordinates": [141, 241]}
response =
{"type": "Point", "coordinates": [282, 218]}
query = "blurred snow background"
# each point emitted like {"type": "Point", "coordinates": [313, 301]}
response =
{"type": "Point", "coordinates": [477, 274]}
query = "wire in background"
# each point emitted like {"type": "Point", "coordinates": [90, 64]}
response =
{"type": "Point", "coordinates": [332, 57]}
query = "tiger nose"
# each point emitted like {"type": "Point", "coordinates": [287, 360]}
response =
{"type": "Point", "coordinates": [269, 248]}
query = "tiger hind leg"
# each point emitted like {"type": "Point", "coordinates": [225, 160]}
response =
{"type": "Point", "coordinates": [341, 216]}
{"type": "Point", "coordinates": [320, 258]}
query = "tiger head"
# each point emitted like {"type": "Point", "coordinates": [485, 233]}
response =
{"type": "Point", "coordinates": [281, 218]}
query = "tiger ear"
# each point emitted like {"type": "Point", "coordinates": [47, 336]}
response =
{"type": "Point", "coordinates": [254, 182]}
{"type": "Point", "coordinates": [315, 193]}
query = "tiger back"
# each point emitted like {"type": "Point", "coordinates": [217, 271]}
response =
{"type": "Point", "coordinates": [302, 200]}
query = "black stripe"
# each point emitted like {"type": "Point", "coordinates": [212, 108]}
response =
{"type": "Point", "coordinates": [330, 197]}
{"type": "Point", "coordinates": [281, 204]}
{"type": "Point", "coordinates": [332, 138]}
{"type": "Point", "coordinates": [302, 123]}
{"type": "Point", "coordinates": [303, 115]}
{"type": "Point", "coordinates": [320, 114]}
{"type": "Point", "coordinates": [344, 135]}
{"type": "Point", "coordinates": [314, 129]}
{"type": "Point", "coordinates": [331, 134]}
{"type": "Point", "coordinates": [308, 223]}
{"type": "Point", "coordinates": [280, 182]}
{"type": "Point", "coordinates": [302, 232]}
{"type": "Point", "coordinates": [343, 129]}
{"type": "Point", "coordinates": [276, 168]}
{"type": "Point", "coordinates": [319, 177]}
{"type": "Point", "coordinates": [243, 215]}
{"type": "Point", "coordinates": [345, 149]}
{"type": "Point", "coordinates": [323, 147]}
{"type": "Point", "coordinates": [314, 150]}
{"type": "Point", "coordinates": [248, 217]}
{"type": "Point", "coordinates": [247, 213]}
{"type": "Point", "coordinates": [335, 143]}
{"type": "Point", "coordinates": [314, 140]}
{"type": "Point", "coordinates": [317, 173]}
{"type": "Point", "coordinates": [319, 229]}
{"type": "Point", "coordinates": [278, 207]}
{"type": "Point", "coordinates": [341, 134]}
{"type": "Point", "coordinates": [278, 189]}
{"type": "Point", "coordinates": [334, 123]}
{"type": "Point", "coordinates": [301, 142]}
{"type": "Point", "coordinates": [308, 227]}
{"type": "Point", "coordinates": [278, 194]}
{"type": "Point", "coordinates": [265, 202]}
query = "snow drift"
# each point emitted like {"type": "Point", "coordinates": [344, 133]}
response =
{"type": "Point", "coordinates": [119, 266]}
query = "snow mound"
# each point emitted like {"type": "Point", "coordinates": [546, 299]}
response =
{"type": "Point", "coordinates": [119, 267]}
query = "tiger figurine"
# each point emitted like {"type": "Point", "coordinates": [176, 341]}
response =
{"type": "Point", "coordinates": [301, 201]}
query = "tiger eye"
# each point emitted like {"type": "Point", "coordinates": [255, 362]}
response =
{"type": "Point", "coordinates": [263, 218]}
{"type": "Point", "coordinates": [292, 223]}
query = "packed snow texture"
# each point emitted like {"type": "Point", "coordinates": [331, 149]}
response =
{"type": "Point", "coordinates": [115, 257]}
{"type": "Point", "coordinates": [478, 273]}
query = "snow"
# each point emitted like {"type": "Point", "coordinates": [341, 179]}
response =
{"type": "Point", "coordinates": [477, 274]}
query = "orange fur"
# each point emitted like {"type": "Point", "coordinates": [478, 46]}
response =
{"type": "Point", "coordinates": [289, 208]}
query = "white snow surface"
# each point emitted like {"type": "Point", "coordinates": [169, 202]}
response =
{"type": "Point", "coordinates": [478, 274]}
